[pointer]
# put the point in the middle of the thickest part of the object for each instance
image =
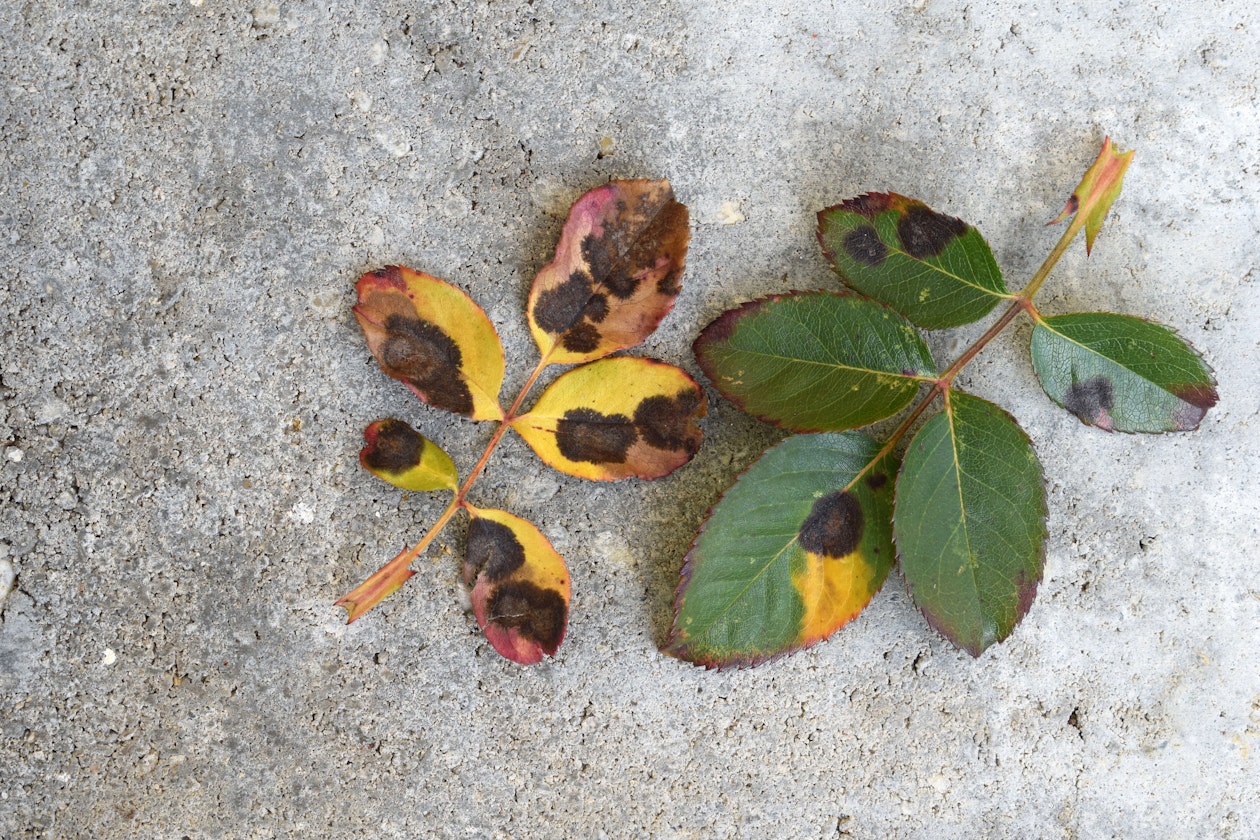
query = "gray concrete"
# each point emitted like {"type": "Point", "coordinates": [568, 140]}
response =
{"type": "Point", "coordinates": [190, 190]}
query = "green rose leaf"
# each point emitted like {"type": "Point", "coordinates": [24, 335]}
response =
{"type": "Point", "coordinates": [792, 551]}
{"type": "Point", "coordinates": [970, 522]}
{"type": "Point", "coordinates": [935, 269]}
{"type": "Point", "coordinates": [815, 361]}
{"type": "Point", "coordinates": [1121, 373]}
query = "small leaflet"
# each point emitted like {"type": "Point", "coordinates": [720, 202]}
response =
{"type": "Point", "coordinates": [520, 585]}
{"type": "Point", "coordinates": [399, 454]}
{"type": "Point", "coordinates": [434, 338]}
{"type": "Point", "coordinates": [1122, 373]}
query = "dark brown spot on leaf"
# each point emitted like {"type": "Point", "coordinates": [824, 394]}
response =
{"type": "Point", "coordinates": [668, 285]}
{"type": "Point", "coordinates": [559, 308]}
{"type": "Point", "coordinates": [834, 525]}
{"type": "Point", "coordinates": [608, 267]}
{"type": "Point", "coordinates": [596, 308]}
{"type": "Point", "coordinates": [925, 233]}
{"type": "Point", "coordinates": [419, 353]}
{"type": "Point", "coordinates": [1090, 399]}
{"type": "Point", "coordinates": [876, 480]}
{"type": "Point", "coordinates": [587, 435]}
{"type": "Point", "coordinates": [393, 447]}
{"type": "Point", "coordinates": [492, 549]}
{"type": "Point", "coordinates": [582, 338]}
{"type": "Point", "coordinates": [863, 245]}
{"type": "Point", "coordinates": [536, 613]}
{"type": "Point", "coordinates": [665, 422]}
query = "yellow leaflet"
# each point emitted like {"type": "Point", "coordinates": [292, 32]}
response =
{"type": "Point", "coordinates": [520, 585]}
{"type": "Point", "coordinates": [433, 337]}
{"type": "Point", "coordinates": [617, 418]}
{"type": "Point", "coordinates": [399, 454]}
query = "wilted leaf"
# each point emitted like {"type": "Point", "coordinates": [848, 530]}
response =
{"type": "Point", "coordinates": [1122, 373]}
{"type": "Point", "coordinates": [405, 458]}
{"type": "Point", "coordinates": [793, 551]}
{"type": "Point", "coordinates": [936, 270]}
{"type": "Point", "coordinates": [970, 522]}
{"type": "Point", "coordinates": [1098, 190]}
{"type": "Point", "coordinates": [815, 361]}
{"type": "Point", "coordinates": [520, 586]}
{"type": "Point", "coordinates": [615, 275]}
{"type": "Point", "coordinates": [617, 418]}
{"type": "Point", "coordinates": [431, 335]}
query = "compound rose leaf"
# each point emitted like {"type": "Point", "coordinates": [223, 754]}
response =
{"type": "Point", "coordinates": [405, 458]}
{"type": "Point", "coordinates": [934, 269]}
{"type": "Point", "coordinates": [617, 270]}
{"type": "Point", "coordinates": [815, 361]}
{"type": "Point", "coordinates": [796, 548]}
{"type": "Point", "coordinates": [434, 338]}
{"type": "Point", "coordinates": [970, 522]}
{"type": "Point", "coordinates": [1122, 373]}
{"type": "Point", "coordinates": [520, 585]}
{"type": "Point", "coordinates": [617, 418]}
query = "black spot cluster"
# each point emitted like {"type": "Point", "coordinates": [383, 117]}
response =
{"type": "Point", "coordinates": [864, 246]}
{"type": "Point", "coordinates": [538, 614]}
{"type": "Point", "coordinates": [1089, 398]}
{"type": "Point", "coordinates": [589, 436]}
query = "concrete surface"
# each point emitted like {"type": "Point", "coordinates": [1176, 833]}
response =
{"type": "Point", "coordinates": [190, 190]}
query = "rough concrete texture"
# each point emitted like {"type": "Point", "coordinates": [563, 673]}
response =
{"type": "Point", "coordinates": [190, 191]}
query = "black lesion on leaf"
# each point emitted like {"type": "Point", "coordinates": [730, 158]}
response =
{"type": "Point", "coordinates": [561, 307]}
{"type": "Point", "coordinates": [538, 614]}
{"type": "Point", "coordinates": [834, 525]}
{"type": "Point", "coordinates": [665, 422]}
{"type": "Point", "coordinates": [493, 549]}
{"type": "Point", "coordinates": [925, 233]}
{"type": "Point", "coordinates": [609, 267]}
{"type": "Point", "coordinates": [668, 285]}
{"type": "Point", "coordinates": [420, 353]}
{"type": "Point", "coordinates": [584, 434]}
{"type": "Point", "coordinates": [876, 480]}
{"type": "Point", "coordinates": [582, 338]}
{"type": "Point", "coordinates": [864, 246]}
{"type": "Point", "coordinates": [396, 448]}
{"type": "Point", "coordinates": [1090, 398]}
{"type": "Point", "coordinates": [596, 309]}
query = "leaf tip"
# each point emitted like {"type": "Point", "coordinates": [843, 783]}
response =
{"type": "Point", "coordinates": [1098, 190]}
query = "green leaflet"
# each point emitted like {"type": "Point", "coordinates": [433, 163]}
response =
{"type": "Point", "coordinates": [934, 269]}
{"type": "Point", "coordinates": [790, 553]}
{"type": "Point", "coordinates": [970, 522]}
{"type": "Point", "coordinates": [1122, 373]}
{"type": "Point", "coordinates": [815, 361]}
